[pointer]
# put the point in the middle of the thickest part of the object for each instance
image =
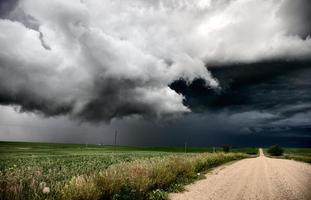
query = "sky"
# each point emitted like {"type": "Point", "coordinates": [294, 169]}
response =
{"type": "Point", "coordinates": [159, 72]}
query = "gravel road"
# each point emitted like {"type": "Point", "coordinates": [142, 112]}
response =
{"type": "Point", "coordinates": [260, 178]}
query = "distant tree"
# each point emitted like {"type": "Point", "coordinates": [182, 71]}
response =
{"type": "Point", "coordinates": [226, 148]}
{"type": "Point", "coordinates": [275, 150]}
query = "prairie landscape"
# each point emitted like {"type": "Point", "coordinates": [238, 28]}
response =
{"type": "Point", "coordinates": [155, 99]}
{"type": "Point", "coordinates": [73, 171]}
{"type": "Point", "coordinates": [69, 171]}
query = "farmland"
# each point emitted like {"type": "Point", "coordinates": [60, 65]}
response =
{"type": "Point", "coordinates": [63, 171]}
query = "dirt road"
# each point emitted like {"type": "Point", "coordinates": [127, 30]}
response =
{"type": "Point", "coordinates": [258, 178]}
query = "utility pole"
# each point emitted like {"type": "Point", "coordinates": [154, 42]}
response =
{"type": "Point", "coordinates": [185, 147]}
{"type": "Point", "coordinates": [115, 140]}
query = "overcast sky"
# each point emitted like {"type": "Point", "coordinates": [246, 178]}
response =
{"type": "Point", "coordinates": [161, 72]}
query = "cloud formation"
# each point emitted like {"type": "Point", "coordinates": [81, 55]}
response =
{"type": "Point", "coordinates": [98, 60]}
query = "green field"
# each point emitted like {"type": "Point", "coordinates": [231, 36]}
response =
{"type": "Point", "coordinates": [299, 154]}
{"type": "Point", "coordinates": [27, 168]}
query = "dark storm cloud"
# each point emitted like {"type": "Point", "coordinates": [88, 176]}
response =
{"type": "Point", "coordinates": [262, 85]}
{"type": "Point", "coordinates": [100, 60]}
{"type": "Point", "coordinates": [32, 103]}
{"type": "Point", "coordinates": [216, 129]}
{"type": "Point", "coordinates": [281, 90]}
{"type": "Point", "coordinates": [116, 94]}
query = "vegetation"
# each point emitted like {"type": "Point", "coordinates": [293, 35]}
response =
{"type": "Point", "coordinates": [275, 150]}
{"type": "Point", "coordinates": [63, 171]}
{"type": "Point", "coordinates": [143, 179]}
{"type": "Point", "coordinates": [299, 154]}
{"type": "Point", "coordinates": [226, 148]}
{"type": "Point", "coordinates": [249, 151]}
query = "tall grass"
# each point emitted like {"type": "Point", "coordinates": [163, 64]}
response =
{"type": "Point", "coordinates": [61, 171]}
{"type": "Point", "coordinates": [142, 179]}
{"type": "Point", "coordinates": [25, 177]}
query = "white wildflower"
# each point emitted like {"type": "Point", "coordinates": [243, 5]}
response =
{"type": "Point", "coordinates": [46, 190]}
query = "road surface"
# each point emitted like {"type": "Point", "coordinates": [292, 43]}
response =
{"type": "Point", "coordinates": [260, 178]}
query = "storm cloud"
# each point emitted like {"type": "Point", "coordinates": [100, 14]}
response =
{"type": "Point", "coordinates": [100, 60]}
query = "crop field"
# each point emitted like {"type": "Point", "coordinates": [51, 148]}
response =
{"type": "Point", "coordinates": [70, 171]}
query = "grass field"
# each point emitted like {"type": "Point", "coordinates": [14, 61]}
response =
{"type": "Point", "coordinates": [71, 171]}
{"type": "Point", "coordinates": [299, 154]}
